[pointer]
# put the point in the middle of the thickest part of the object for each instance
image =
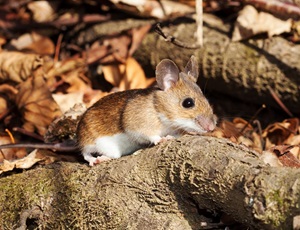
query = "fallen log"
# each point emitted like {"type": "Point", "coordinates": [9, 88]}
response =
{"type": "Point", "coordinates": [253, 70]}
{"type": "Point", "coordinates": [161, 187]}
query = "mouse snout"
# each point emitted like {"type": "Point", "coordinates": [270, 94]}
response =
{"type": "Point", "coordinates": [207, 123]}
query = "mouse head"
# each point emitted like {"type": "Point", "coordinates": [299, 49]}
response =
{"type": "Point", "coordinates": [181, 103]}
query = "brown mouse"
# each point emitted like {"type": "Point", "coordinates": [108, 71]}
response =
{"type": "Point", "coordinates": [123, 122]}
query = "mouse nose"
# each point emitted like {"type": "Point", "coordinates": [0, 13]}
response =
{"type": "Point", "coordinates": [209, 127]}
{"type": "Point", "coordinates": [207, 123]}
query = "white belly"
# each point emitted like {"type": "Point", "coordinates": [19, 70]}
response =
{"type": "Point", "coordinates": [113, 146]}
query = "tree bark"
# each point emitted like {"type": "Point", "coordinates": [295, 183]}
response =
{"type": "Point", "coordinates": [244, 70]}
{"type": "Point", "coordinates": [162, 187]}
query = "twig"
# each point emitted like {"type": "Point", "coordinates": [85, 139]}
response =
{"type": "Point", "coordinates": [253, 117]}
{"type": "Point", "coordinates": [30, 134]}
{"type": "Point", "coordinates": [199, 21]}
{"type": "Point", "coordinates": [57, 48]}
{"type": "Point", "coordinates": [173, 40]}
{"type": "Point", "coordinates": [162, 8]}
{"type": "Point", "coordinates": [262, 142]}
{"type": "Point", "coordinates": [12, 139]}
{"type": "Point", "coordinates": [279, 102]}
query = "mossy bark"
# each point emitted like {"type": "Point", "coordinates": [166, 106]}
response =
{"type": "Point", "coordinates": [161, 187]}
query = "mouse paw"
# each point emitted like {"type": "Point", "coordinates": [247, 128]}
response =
{"type": "Point", "coordinates": [98, 160]}
{"type": "Point", "coordinates": [157, 139]}
{"type": "Point", "coordinates": [166, 138]}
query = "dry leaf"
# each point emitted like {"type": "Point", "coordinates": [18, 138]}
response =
{"type": "Point", "coordinates": [281, 132]}
{"type": "Point", "coordinates": [67, 76]}
{"type": "Point", "coordinates": [138, 35]}
{"type": "Point", "coordinates": [280, 150]}
{"type": "Point", "coordinates": [10, 154]}
{"type": "Point", "coordinates": [3, 105]}
{"type": "Point", "coordinates": [118, 47]}
{"type": "Point", "coordinates": [67, 101]}
{"type": "Point", "coordinates": [229, 129]}
{"type": "Point", "coordinates": [36, 105]}
{"type": "Point", "coordinates": [293, 140]}
{"type": "Point", "coordinates": [2, 40]}
{"type": "Point", "coordinates": [282, 140]}
{"type": "Point", "coordinates": [296, 151]}
{"type": "Point", "coordinates": [6, 166]}
{"type": "Point", "coordinates": [242, 124]}
{"type": "Point", "coordinates": [17, 67]}
{"type": "Point", "coordinates": [285, 156]}
{"type": "Point", "coordinates": [96, 52]}
{"type": "Point", "coordinates": [7, 94]}
{"type": "Point", "coordinates": [251, 22]}
{"type": "Point", "coordinates": [127, 76]}
{"type": "Point", "coordinates": [42, 156]}
{"type": "Point", "coordinates": [9, 90]}
{"type": "Point", "coordinates": [35, 43]}
{"type": "Point", "coordinates": [91, 96]}
{"type": "Point", "coordinates": [69, 68]}
{"type": "Point", "coordinates": [149, 8]}
{"type": "Point", "coordinates": [269, 157]}
{"type": "Point", "coordinates": [245, 141]}
{"type": "Point", "coordinates": [257, 141]}
{"type": "Point", "coordinates": [43, 11]}
{"type": "Point", "coordinates": [76, 81]}
{"type": "Point", "coordinates": [289, 160]}
{"type": "Point", "coordinates": [63, 67]}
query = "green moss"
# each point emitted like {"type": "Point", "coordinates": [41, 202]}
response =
{"type": "Point", "coordinates": [26, 190]}
{"type": "Point", "coordinates": [274, 201]}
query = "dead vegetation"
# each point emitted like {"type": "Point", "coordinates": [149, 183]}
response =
{"type": "Point", "coordinates": [52, 57]}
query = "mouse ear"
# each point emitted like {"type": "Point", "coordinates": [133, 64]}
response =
{"type": "Point", "coordinates": [167, 74]}
{"type": "Point", "coordinates": [192, 68]}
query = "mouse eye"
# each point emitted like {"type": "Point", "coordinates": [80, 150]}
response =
{"type": "Point", "coordinates": [188, 103]}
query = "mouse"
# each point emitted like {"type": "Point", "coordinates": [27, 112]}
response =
{"type": "Point", "coordinates": [123, 122]}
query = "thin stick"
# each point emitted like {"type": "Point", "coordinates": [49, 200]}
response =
{"type": "Point", "coordinates": [199, 21]}
{"type": "Point", "coordinates": [57, 47]}
{"type": "Point", "coordinates": [173, 40]}
{"type": "Point", "coordinates": [30, 134]}
{"type": "Point", "coordinates": [279, 102]}
{"type": "Point", "coordinates": [262, 142]}
{"type": "Point", "coordinates": [253, 118]}
{"type": "Point", "coordinates": [10, 136]}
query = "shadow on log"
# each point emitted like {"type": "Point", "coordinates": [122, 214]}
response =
{"type": "Point", "coordinates": [162, 187]}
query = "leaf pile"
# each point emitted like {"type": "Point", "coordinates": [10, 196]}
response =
{"type": "Point", "coordinates": [55, 54]}
{"type": "Point", "coordinates": [278, 143]}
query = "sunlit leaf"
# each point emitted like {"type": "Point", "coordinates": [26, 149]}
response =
{"type": "Point", "coordinates": [127, 76]}
{"type": "Point", "coordinates": [17, 67]}
{"type": "Point", "coordinates": [251, 22]}
{"type": "Point", "coordinates": [36, 105]}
